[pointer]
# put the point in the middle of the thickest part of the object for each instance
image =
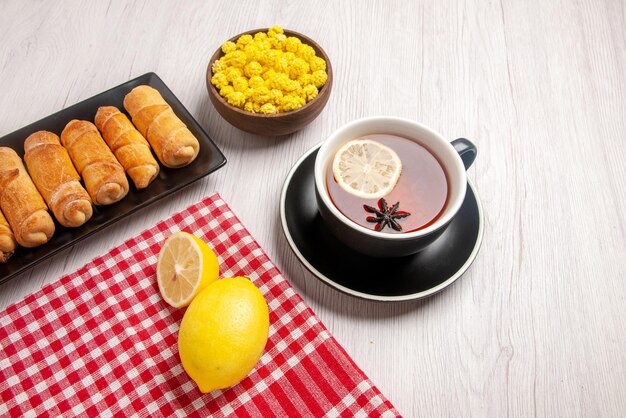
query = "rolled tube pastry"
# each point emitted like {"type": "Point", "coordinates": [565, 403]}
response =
{"type": "Point", "coordinates": [7, 240]}
{"type": "Point", "coordinates": [130, 148]}
{"type": "Point", "coordinates": [21, 203]}
{"type": "Point", "coordinates": [53, 173]}
{"type": "Point", "coordinates": [174, 145]}
{"type": "Point", "coordinates": [103, 175]}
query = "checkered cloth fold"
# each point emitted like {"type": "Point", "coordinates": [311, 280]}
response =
{"type": "Point", "coordinates": [102, 342]}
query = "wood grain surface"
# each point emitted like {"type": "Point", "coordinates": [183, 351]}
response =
{"type": "Point", "coordinates": [537, 326]}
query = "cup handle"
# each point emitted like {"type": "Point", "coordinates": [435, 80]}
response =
{"type": "Point", "coordinates": [466, 149]}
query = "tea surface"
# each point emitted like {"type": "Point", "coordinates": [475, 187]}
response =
{"type": "Point", "coordinates": [422, 188]}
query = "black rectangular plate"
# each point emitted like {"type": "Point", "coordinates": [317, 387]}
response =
{"type": "Point", "coordinates": [209, 159]}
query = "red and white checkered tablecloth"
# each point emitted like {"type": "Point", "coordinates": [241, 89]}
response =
{"type": "Point", "coordinates": [102, 342]}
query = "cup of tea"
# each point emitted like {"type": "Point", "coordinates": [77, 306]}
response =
{"type": "Point", "coordinates": [388, 186]}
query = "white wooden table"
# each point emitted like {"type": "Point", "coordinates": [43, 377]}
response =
{"type": "Point", "coordinates": [537, 326]}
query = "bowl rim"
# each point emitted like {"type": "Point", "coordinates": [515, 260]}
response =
{"type": "Point", "coordinates": [325, 90]}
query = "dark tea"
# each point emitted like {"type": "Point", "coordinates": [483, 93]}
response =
{"type": "Point", "coordinates": [421, 191]}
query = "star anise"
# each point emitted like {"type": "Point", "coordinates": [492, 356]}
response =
{"type": "Point", "coordinates": [385, 216]}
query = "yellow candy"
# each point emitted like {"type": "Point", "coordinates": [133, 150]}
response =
{"type": "Point", "coordinates": [255, 81]}
{"type": "Point", "coordinates": [297, 68]}
{"type": "Point", "coordinates": [228, 46]}
{"type": "Point", "coordinates": [219, 80]}
{"type": "Point", "coordinates": [291, 85]}
{"type": "Point", "coordinates": [226, 90]}
{"type": "Point", "coordinates": [317, 64]}
{"type": "Point", "coordinates": [233, 73]}
{"type": "Point", "coordinates": [292, 44]}
{"type": "Point", "coordinates": [219, 65]}
{"type": "Point", "coordinates": [243, 41]}
{"type": "Point", "coordinates": [249, 107]}
{"type": "Point", "coordinates": [240, 84]}
{"type": "Point", "coordinates": [282, 63]}
{"type": "Point", "coordinates": [235, 59]}
{"type": "Point", "coordinates": [278, 81]}
{"type": "Point", "coordinates": [253, 68]}
{"type": "Point", "coordinates": [264, 44]}
{"type": "Point", "coordinates": [268, 109]}
{"type": "Point", "coordinates": [261, 95]}
{"type": "Point", "coordinates": [278, 42]}
{"type": "Point", "coordinates": [274, 30]}
{"type": "Point", "coordinates": [291, 102]}
{"type": "Point", "coordinates": [306, 52]}
{"type": "Point", "coordinates": [309, 92]}
{"type": "Point", "coordinates": [253, 52]}
{"type": "Point", "coordinates": [319, 78]}
{"type": "Point", "coordinates": [268, 72]}
{"type": "Point", "coordinates": [237, 99]}
{"type": "Point", "coordinates": [269, 58]}
{"type": "Point", "coordinates": [276, 96]}
{"type": "Point", "coordinates": [305, 79]}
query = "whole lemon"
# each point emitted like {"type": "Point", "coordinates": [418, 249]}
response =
{"type": "Point", "coordinates": [223, 333]}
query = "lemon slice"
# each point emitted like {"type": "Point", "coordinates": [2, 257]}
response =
{"type": "Point", "coordinates": [186, 265]}
{"type": "Point", "coordinates": [366, 168]}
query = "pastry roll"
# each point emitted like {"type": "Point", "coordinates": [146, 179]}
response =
{"type": "Point", "coordinates": [174, 145]}
{"type": "Point", "coordinates": [52, 171]}
{"type": "Point", "coordinates": [21, 203]}
{"type": "Point", "coordinates": [7, 240]}
{"type": "Point", "coordinates": [130, 148]}
{"type": "Point", "coordinates": [103, 175]}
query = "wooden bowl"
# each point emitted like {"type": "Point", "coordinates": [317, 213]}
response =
{"type": "Point", "coordinates": [279, 123]}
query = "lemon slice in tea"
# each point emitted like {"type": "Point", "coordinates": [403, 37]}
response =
{"type": "Point", "coordinates": [366, 168]}
{"type": "Point", "coordinates": [186, 265]}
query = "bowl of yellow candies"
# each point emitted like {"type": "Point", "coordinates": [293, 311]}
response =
{"type": "Point", "coordinates": [269, 82]}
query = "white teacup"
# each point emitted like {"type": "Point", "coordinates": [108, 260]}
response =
{"type": "Point", "coordinates": [455, 157]}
